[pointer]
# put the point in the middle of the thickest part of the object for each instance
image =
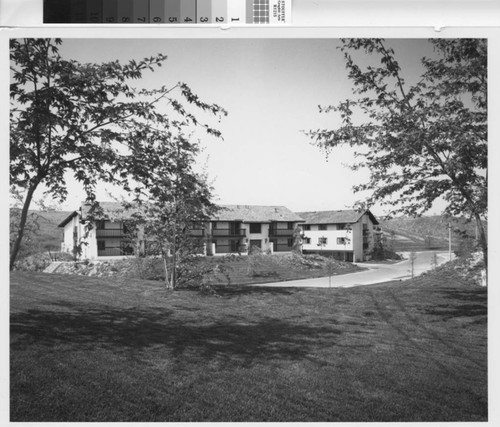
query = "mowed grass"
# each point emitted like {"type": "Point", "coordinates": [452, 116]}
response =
{"type": "Point", "coordinates": [88, 349]}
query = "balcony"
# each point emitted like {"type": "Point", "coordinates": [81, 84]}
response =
{"type": "Point", "coordinates": [110, 232]}
{"type": "Point", "coordinates": [280, 232]}
{"type": "Point", "coordinates": [197, 232]}
{"type": "Point", "coordinates": [115, 251]}
{"type": "Point", "coordinates": [229, 232]}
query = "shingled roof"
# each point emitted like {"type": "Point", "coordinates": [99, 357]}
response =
{"type": "Point", "coordinates": [254, 213]}
{"type": "Point", "coordinates": [335, 217]}
{"type": "Point", "coordinates": [247, 213]}
{"type": "Point", "coordinates": [110, 209]}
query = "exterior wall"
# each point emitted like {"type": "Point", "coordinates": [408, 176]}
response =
{"type": "Point", "coordinates": [281, 238]}
{"type": "Point", "coordinates": [263, 236]}
{"type": "Point", "coordinates": [361, 238]}
{"type": "Point", "coordinates": [68, 239]}
{"type": "Point", "coordinates": [331, 235]}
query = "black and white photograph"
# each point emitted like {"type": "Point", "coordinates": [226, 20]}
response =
{"type": "Point", "coordinates": [248, 229]}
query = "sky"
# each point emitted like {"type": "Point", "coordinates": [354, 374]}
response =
{"type": "Point", "coordinates": [271, 89]}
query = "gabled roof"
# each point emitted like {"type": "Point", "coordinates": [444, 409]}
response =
{"type": "Point", "coordinates": [108, 209]}
{"type": "Point", "coordinates": [68, 218]}
{"type": "Point", "coordinates": [254, 213]}
{"type": "Point", "coordinates": [350, 216]}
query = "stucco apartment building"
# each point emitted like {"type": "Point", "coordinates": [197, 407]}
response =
{"type": "Point", "coordinates": [239, 228]}
{"type": "Point", "coordinates": [346, 234]}
{"type": "Point", "coordinates": [234, 229]}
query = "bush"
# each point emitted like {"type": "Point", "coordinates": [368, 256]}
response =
{"type": "Point", "coordinates": [36, 262]}
{"type": "Point", "coordinates": [381, 252]}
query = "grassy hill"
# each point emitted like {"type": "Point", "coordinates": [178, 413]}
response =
{"type": "Point", "coordinates": [424, 233]}
{"type": "Point", "coordinates": [93, 349]}
{"type": "Point", "coordinates": [46, 234]}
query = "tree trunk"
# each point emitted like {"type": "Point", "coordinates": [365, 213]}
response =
{"type": "Point", "coordinates": [174, 264]}
{"type": "Point", "coordinates": [22, 224]}
{"type": "Point", "coordinates": [483, 242]}
{"type": "Point", "coordinates": [165, 267]}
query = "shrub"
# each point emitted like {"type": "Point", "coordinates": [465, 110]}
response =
{"type": "Point", "coordinates": [36, 262]}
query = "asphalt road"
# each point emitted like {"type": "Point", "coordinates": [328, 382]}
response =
{"type": "Point", "coordinates": [376, 273]}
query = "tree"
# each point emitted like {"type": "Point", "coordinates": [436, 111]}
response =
{"type": "Point", "coordinates": [423, 141]}
{"type": "Point", "coordinates": [172, 202]}
{"type": "Point", "coordinates": [84, 119]}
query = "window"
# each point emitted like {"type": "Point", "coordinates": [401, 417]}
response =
{"type": "Point", "coordinates": [306, 227]}
{"type": "Point", "coordinates": [290, 225]}
{"type": "Point", "coordinates": [125, 228]}
{"type": "Point", "coordinates": [101, 245]}
{"type": "Point", "coordinates": [322, 227]}
{"type": "Point", "coordinates": [307, 240]}
{"type": "Point", "coordinates": [322, 241]}
{"type": "Point", "coordinates": [341, 241]}
{"type": "Point", "coordinates": [214, 225]}
{"type": "Point", "coordinates": [100, 224]}
{"type": "Point", "coordinates": [255, 228]}
{"type": "Point", "coordinates": [235, 245]}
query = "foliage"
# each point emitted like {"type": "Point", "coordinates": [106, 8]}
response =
{"type": "Point", "coordinates": [423, 141]}
{"type": "Point", "coordinates": [38, 261]}
{"type": "Point", "coordinates": [382, 250]}
{"type": "Point", "coordinates": [86, 119]}
{"type": "Point", "coordinates": [172, 203]}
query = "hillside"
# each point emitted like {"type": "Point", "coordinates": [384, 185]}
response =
{"type": "Point", "coordinates": [46, 235]}
{"type": "Point", "coordinates": [426, 232]}
{"type": "Point", "coordinates": [404, 234]}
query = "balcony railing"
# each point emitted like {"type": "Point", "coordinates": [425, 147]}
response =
{"type": "Point", "coordinates": [110, 232]}
{"type": "Point", "coordinates": [197, 232]}
{"type": "Point", "coordinates": [229, 232]}
{"type": "Point", "coordinates": [280, 232]}
{"type": "Point", "coordinates": [282, 247]}
{"type": "Point", "coordinates": [115, 251]}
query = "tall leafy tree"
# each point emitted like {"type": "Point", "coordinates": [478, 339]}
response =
{"type": "Point", "coordinates": [172, 202]}
{"type": "Point", "coordinates": [420, 141]}
{"type": "Point", "coordinates": [83, 118]}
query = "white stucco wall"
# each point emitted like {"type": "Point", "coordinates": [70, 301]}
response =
{"type": "Point", "coordinates": [331, 235]}
{"type": "Point", "coordinates": [263, 236]}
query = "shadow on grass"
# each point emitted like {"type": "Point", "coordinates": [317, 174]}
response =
{"type": "Point", "coordinates": [475, 304]}
{"type": "Point", "coordinates": [240, 290]}
{"type": "Point", "coordinates": [159, 329]}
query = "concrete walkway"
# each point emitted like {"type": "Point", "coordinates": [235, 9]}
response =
{"type": "Point", "coordinates": [376, 273]}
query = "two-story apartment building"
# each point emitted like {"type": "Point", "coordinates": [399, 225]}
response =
{"type": "Point", "coordinates": [108, 237]}
{"type": "Point", "coordinates": [347, 234]}
{"type": "Point", "coordinates": [239, 228]}
{"type": "Point", "coordinates": [234, 229]}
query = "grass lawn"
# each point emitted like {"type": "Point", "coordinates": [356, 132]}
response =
{"type": "Point", "coordinates": [94, 349]}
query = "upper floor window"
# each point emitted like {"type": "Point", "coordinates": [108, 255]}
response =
{"type": "Point", "coordinates": [290, 225]}
{"type": "Point", "coordinates": [100, 224]}
{"type": "Point", "coordinates": [255, 227]}
{"type": "Point", "coordinates": [322, 241]}
{"type": "Point", "coordinates": [306, 227]}
{"type": "Point", "coordinates": [214, 224]}
{"type": "Point", "coordinates": [322, 227]}
{"type": "Point", "coordinates": [307, 240]}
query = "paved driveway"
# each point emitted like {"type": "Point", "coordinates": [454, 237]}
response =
{"type": "Point", "coordinates": [376, 273]}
